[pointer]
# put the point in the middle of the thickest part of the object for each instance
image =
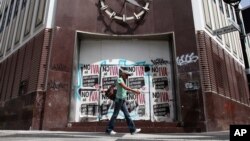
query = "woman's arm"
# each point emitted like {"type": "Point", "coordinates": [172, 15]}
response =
{"type": "Point", "coordinates": [123, 85]}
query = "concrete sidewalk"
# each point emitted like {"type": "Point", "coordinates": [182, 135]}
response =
{"type": "Point", "coordinates": [17, 135]}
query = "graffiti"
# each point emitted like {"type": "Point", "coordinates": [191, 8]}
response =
{"type": "Point", "coordinates": [59, 67]}
{"type": "Point", "coordinates": [159, 61]}
{"type": "Point", "coordinates": [122, 62]}
{"type": "Point", "coordinates": [186, 59]}
{"type": "Point", "coordinates": [141, 63]}
{"type": "Point", "coordinates": [57, 85]}
{"type": "Point", "coordinates": [192, 85]}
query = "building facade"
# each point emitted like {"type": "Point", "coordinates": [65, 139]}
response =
{"type": "Point", "coordinates": [59, 56]}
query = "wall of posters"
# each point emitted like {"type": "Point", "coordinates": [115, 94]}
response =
{"type": "Point", "coordinates": [152, 76]}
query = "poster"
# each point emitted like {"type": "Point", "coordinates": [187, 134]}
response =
{"type": "Point", "coordinates": [138, 105]}
{"type": "Point", "coordinates": [89, 104]}
{"type": "Point", "coordinates": [109, 76]}
{"type": "Point", "coordinates": [89, 92]}
{"type": "Point", "coordinates": [90, 75]}
{"type": "Point", "coordinates": [161, 96]}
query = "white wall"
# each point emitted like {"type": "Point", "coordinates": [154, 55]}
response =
{"type": "Point", "coordinates": [198, 14]}
{"type": "Point", "coordinates": [133, 50]}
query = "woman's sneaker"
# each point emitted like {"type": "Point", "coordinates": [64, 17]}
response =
{"type": "Point", "coordinates": [112, 132]}
{"type": "Point", "coordinates": [136, 131]}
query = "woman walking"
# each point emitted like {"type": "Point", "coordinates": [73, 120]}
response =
{"type": "Point", "coordinates": [120, 104]}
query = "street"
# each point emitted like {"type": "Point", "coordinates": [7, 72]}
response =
{"type": "Point", "coordinates": [15, 135]}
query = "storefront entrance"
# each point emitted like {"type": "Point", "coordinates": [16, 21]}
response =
{"type": "Point", "coordinates": [99, 61]}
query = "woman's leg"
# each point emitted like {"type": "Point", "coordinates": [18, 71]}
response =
{"type": "Point", "coordinates": [118, 104]}
{"type": "Point", "coordinates": [130, 122]}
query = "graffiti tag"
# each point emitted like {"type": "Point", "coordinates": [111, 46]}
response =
{"type": "Point", "coordinates": [59, 67]}
{"type": "Point", "coordinates": [159, 61]}
{"type": "Point", "coordinates": [192, 85]}
{"type": "Point", "coordinates": [57, 85]}
{"type": "Point", "coordinates": [186, 59]}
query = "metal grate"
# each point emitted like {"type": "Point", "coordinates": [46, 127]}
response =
{"type": "Point", "coordinates": [44, 59]}
{"type": "Point", "coordinates": [206, 83]}
{"type": "Point", "coordinates": [221, 73]}
{"type": "Point", "coordinates": [35, 64]}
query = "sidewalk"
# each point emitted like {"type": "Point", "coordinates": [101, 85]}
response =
{"type": "Point", "coordinates": [12, 135]}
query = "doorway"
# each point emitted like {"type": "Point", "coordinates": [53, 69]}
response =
{"type": "Point", "coordinates": [98, 65]}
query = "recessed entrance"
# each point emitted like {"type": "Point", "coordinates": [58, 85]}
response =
{"type": "Point", "coordinates": [98, 62]}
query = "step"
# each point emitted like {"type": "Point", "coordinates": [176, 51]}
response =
{"type": "Point", "coordinates": [121, 126]}
{"type": "Point", "coordinates": [123, 123]}
{"type": "Point", "coordinates": [125, 129]}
